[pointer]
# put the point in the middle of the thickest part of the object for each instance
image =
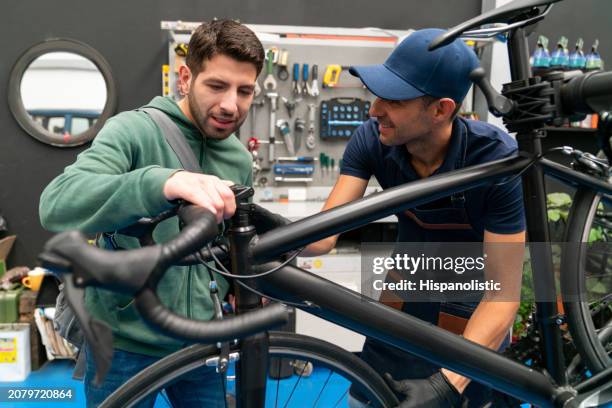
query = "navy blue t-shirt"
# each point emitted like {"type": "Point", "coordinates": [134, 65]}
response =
{"type": "Point", "coordinates": [498, 209]}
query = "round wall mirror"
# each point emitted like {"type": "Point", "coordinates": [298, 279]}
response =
{"type": "Point", "coordinates": [61, 92]}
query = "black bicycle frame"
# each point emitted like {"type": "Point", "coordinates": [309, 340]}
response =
{"type": "Point", "coordinates": [368, 317]}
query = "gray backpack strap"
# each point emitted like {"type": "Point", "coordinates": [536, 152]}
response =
{"type": "Point", "coordinates": [175, 139]}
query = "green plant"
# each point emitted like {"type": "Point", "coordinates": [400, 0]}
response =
{"type": "Point", "coordinates": [558, 206]}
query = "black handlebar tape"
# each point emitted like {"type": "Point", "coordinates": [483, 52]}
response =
{"type": "Point", "coordinates": [189, 213]}
{"type": "Point", "coordinates": [212, 331]}
{"type": "Point", "coordinates": [201, 228]}
{"type": "Point", "coordinates": [120, 271]}
{"type": "Point", "coordinates": [588, 93]}
{"type": "Point", "coordinates": [129, 271]}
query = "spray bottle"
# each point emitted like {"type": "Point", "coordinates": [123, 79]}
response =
{"type": "Point", "coordinates": [593, 59]}
{"type": "Point", "coordinates": [576, 58]}
{"type": "Point", "coordinates": [540, 60]}
{"type": "Point", "coordinates": [560, 57]}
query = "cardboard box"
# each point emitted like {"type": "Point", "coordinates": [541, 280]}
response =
{"type": "Point", "coordinates": [6, 244]}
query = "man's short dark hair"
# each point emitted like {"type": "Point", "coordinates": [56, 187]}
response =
{"type": "Point", "coordinates": [428, 100]}
{"type": "Point", "coordinates": [225, 37]}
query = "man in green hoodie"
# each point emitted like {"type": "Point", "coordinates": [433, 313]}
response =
{"type": "Point", "coordinates": [130, 172]}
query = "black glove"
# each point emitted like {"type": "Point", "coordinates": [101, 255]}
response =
{"type": "Point", "coordinates": [265, 220]}
{"type": "Point", "coordinates": [433, 392]}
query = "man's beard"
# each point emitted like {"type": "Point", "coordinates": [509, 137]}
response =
{"type": "Point", "coordinates": [200, 121]}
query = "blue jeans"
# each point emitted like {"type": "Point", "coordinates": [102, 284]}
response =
{"type": "Point", "coordinates": [199, 388]}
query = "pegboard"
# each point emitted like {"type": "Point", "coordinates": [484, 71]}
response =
{"type": "Point", "coordinates": [321, 55]}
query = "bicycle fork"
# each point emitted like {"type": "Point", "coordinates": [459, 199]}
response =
{"type": "Point", "coordinates": [252, 367]}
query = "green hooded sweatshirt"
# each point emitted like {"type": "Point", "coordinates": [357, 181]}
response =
{"type": "Point", "coordinates": [120, 179]}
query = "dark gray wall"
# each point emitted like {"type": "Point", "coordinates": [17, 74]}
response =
{"type": "Point", "coordinates": [128, 35]}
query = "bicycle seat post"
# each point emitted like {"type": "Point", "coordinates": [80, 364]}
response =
{"type": "Point", "coordinates": [252, 367]}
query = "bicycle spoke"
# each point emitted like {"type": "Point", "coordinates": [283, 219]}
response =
{"type": "Point", "coordinates": [322, 389]}
{"type": "Point", "coordinates": [342, 397]}
{"type": "Point", "coordinates": [295, 385]}
{"type": "Point", "coordinates": [277, 388]}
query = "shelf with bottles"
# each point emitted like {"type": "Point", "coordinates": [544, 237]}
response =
{"type": "Point", "coordinates": [542, 61]}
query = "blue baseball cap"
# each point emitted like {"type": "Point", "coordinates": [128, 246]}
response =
{"type": "Point", "coordinates": [412, 70]}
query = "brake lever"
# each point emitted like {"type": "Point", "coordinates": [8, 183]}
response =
{"type": "Point", "coordinates": [498, 104]}
{"type": "Point", "coordinates": [98, 334]}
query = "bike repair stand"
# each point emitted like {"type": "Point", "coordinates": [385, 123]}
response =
{"type": "Point", "coordinates": [528, 104]}
{"type": "Point", "coordinates": [537, 103]}
{"type": "Point", "coordinates": [250, 384]}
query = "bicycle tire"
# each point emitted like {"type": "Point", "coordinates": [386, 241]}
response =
{"type": "Point", "coordinates": [281, 344]}
{"type": "Point", "coordinates": [591, 345]}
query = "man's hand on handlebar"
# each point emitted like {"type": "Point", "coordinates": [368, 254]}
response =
{"type": "Point", "coordinates": [202, 190]}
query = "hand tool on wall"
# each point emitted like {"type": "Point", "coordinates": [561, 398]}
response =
{"type": "Point", "coordinates": [269, 81]}
{"type": "Point", "coordinates": [300, 159]}
{"type": "Point", "coordinates": [295, 84]}
{"type": "Point", "coordinates": [165, 80]}
{"type": "Point", "coordinates": [339, 117]}
{"type": "Point", "coordinates": [181, 49]}
{"type": "Point", "coordinates": [290, 105]}
{"type": "Point", "coordinates": [283, 74]}
{"type": "Point", "coordinates": [293, 179]}
{"type": "Point", "coordinates": [305, 84]}
{"type": "Point", "coordinates": [300, 125]}
{"type": "Point", "coordinates": [324, 163]}
{"type": "Point", "coordinates": [332, 75]}
{"type": "Point", "coordinates": [310, 139]}
{"type": "Point", "coordinates": [285, 130]}
{"type": "Point", "coordinates": [314, 88]}
{"type": "Point", "coordinates": [254, 106]}
{"type": "Point", "coordinates": [253, 147]}
{"type": "Point", "coordinates": [299, 169]}
{"type": "Point", "coordinates": [273, 97]}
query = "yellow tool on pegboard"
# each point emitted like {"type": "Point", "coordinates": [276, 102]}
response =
{"type": "Point", "coordinates": [165, 80]}
{"type": "Point", "coordinates": [181, 49]}
{"type": "Point", "coordinates": [332, 75]}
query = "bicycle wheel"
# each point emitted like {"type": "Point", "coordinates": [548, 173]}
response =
{"type": "Point", "coordinates": [586, 279]}
{"type": "Point", "coordinates": [335, 370]}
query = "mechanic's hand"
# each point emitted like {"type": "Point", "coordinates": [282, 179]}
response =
{"type": "Point", "coordinates": [433, 392]}
{"type": "Point", "coordinates": [203, 190]}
